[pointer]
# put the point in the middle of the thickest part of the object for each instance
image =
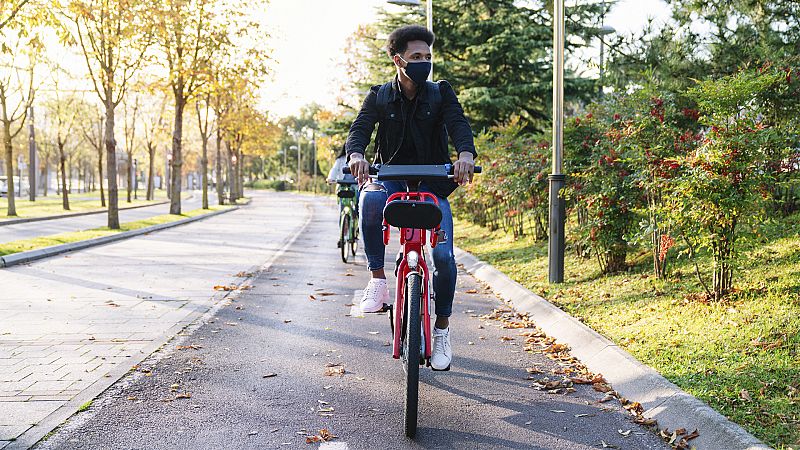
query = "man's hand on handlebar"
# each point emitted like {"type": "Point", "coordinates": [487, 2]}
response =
{"type": "Point", "coordinates": [464, 168]}
{"type": "Point", "coordinates": [359, 167]}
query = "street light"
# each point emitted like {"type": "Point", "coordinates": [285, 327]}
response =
{"type": "Point", "coordinates": [604, 30]}
{"type": "Point", "coordinates": [555, 251]}
{"type": "Point", "coordinates": [428, 19]}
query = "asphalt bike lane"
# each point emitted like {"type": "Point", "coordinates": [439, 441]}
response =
{"type": "Point", "coordinates": [291, 361]}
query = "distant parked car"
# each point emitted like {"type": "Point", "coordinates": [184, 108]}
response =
{"type": "Point", "coordinates": [17, 186]}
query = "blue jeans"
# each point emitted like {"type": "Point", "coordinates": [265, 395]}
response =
{"type": "Point", "coordinates": [372, 203]}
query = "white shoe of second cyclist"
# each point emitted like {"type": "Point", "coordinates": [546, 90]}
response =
{"type": "Point", "coordinates": [376, 294]}
{"type": "Point", "coordinates": [442, 353]}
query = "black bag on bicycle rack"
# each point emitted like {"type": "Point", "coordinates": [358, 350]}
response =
{"type": "Point", "coordinates": [412, 214]}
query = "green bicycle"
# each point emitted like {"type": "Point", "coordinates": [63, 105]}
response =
{"type": "Point", "coordinates": [348, 216]}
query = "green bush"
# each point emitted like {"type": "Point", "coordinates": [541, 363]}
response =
{"type": "Point", "coordinates": [514, 189]}
{"type": "Point", "coordinates": [275, 185]}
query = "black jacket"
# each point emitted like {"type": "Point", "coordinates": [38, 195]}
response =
{"type": "Point", "coordinates": [427, 130]}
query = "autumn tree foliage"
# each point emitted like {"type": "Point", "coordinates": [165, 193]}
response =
{"type": "Point", "coordinates": [113, 36]}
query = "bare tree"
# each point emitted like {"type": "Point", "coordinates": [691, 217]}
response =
{"type": "Point", "coordinates": [113, 36]}
{"type": "Point", "coordinates": [93, 134]}
{"type": "Point", "coordinates": [16, 97]}
{"type": "Point", "coordinates": [63, 113]}
{"type": "Point", "coordinates": [130, 141]}
{"type": "Point", "coordinates": [153, 125]}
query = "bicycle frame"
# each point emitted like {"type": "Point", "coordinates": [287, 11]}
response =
{"type": "Point", "coordinates": [412, 240]}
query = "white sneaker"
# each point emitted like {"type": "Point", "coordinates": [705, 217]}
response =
{"type": "Point", "coordinates": [375, 295]}
{"type": "Point", "coordinates": [442, 354]}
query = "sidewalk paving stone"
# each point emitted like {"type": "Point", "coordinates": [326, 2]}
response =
{"type": "Point", "coordinates": [70, 320]}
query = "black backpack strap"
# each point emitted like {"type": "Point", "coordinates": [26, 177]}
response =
{"type": "Point", "coordinates": [434, 97]}
{"type": "Point", "coordinates": [384, 94]}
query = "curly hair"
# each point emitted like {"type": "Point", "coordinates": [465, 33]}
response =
{"type": "Point", "coordinates": [399, 39]}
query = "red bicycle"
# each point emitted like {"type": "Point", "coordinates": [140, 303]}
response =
{"type": "Point", "coordinates": [417, 215]}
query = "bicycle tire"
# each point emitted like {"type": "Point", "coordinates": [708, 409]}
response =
{"type": "Point", "coordinates": [355, 236]}
{"type": "Point", "coordinates": [412, 342]}
{"type": "Point", "coordinates": [344, 234]}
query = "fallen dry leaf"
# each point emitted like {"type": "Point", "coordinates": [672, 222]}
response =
{"type": "Point", "coordinates": [225, 287]}
{"type": "Point", "coordinates": [189, 347]}
{"type": "Point", "coordinates": [183, 395]}
{"type": "Point", "coordinates": [745, 395]}
{"type": "Point", "coordinates": [471, 291]}
{"type": "Point", "coordinates": [334, 369]}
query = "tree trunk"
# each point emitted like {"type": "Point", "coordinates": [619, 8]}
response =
{"type": "Point", "coordinates": [204, 168]}
{"type": "Point", "coordinates": [45, 177]}
{"type": "Point", "coordinates": [129, 166]}
{"type": "Point", "coordinates": [237, 169]}
{"type": "Point", "coordinates": [111, 166]}
{"type": "Point", "coordinates": [9, 157]}
{"type": "Point", "coordinates": [177, 157]}
{"type": "Point", "coordinates": [62, 160]}
{"type": "Point", "coordinates": [100, 176]}
{"type": "Point", "coordinates": [151, 171]}
{"type": "Point", "coordinates": [230, 176]}
{"type": "Point", "coordinates": [220, 191]}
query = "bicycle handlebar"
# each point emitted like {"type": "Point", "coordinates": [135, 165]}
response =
{"type": "Point", "coordinates": [413, 171]}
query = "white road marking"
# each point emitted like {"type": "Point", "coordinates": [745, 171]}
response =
{"type": "Point", "coordinates": [355, 310]}
{"type": "Point", "coordinates": [333, 446]}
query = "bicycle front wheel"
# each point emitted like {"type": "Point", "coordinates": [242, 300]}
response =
{"type": "Point", "coordinates": [344, 235]}
{"type": "Point", "coordinates": [354, 237]}
{"type": "Point", "coordinates": [411, 348]}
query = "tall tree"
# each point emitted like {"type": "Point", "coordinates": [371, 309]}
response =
{"type": "Point", "coordinates": [153, 125]}
{"type": "Point", "coordinates": [130, 114]}
{"type": "Point", "coordinates": [189, 33]}
{"type": "Point", "coordinates": [203, 109]}
{"type": "Point", "coordinates": [496, 53]}
{"type": "Point", "coordinates": [707, 38]}
{"type": "Point", "coordinates": [113, 36]}
{"type": "Point", "coordinates": [92, 132]}
{"type": "Point", "coordinates": [18, 56]}
{"type": "Point", "coordinates": [63, 110]}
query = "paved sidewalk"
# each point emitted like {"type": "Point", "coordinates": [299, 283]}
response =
{"type": "Point", "coordinates": [30, 230]}
{"type": "Point", "coordinates": [68, 322]}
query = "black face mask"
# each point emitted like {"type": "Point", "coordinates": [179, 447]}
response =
{"type": "Point", "coordinates": [418, 71]}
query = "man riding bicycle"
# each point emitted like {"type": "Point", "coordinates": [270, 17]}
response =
{"type": "Point", "coordinates": [414, 118]}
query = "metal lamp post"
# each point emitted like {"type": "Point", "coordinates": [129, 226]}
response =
{"type": "Point", "coordinates": [428, 19]}
{"type": "Point", "coordinates": [557, 178]}
{"type": "Point", "coordinates": [603, 31]}
{"type": "Point", "coordinates": [297, 181]}
{"type": "Point", "coordinates": [168, 177]}
{"type": "Point", "coordinates": [32, 166]}
{"type": "Point", "coordinates": [314, 160]}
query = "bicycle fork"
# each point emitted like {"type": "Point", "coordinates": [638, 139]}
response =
{"type": "Point", "coordinates": [412, 264]}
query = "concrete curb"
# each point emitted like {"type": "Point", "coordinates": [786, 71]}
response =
{"type": "Point", "coordinates": [662, 400]}
{"type": "Point", "coordinates": [32, 255]}
{"type": "Point", "coordinates": [35, 434]}
{"type": "Point", "coordinates": [4, 223]}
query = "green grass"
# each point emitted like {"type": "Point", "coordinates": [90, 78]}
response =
{"type": "Point", "coordinates": [8, 248]}
{"type": "Point", "coordinates": [85, 406]}
{"type": "Point", "coordinates": [78, 202]}
{"type": "Point", "coordinates": [711, 350]}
